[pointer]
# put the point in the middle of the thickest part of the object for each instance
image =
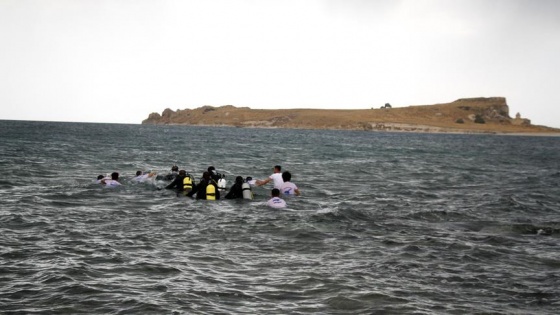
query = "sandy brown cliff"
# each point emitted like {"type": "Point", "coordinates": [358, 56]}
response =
{"type": "Point", "coordinates": [463, 115]}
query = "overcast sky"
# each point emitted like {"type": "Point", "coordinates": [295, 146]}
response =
{"type": "Point", "coordinates": [118, 61]}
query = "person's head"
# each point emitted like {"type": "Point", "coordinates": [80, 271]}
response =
{"type": "Point", "coordinates": [138, 173]}
{"type": "Point", "coordinates": [182, 173]}
{"type": "Point", "coordinates": [275, 192]}
{"type": "Point", "coordinates": [114, 176]}
{"type": "Point", "coordinates": [100, 177]}
{"type": "Point", "coordinates": [211, 169]}
{"type": "Point", "coordinates": [287, 176]}
{"type": "Point", "coordinates": [277, 168]}
{"type": "Point", "coordinates": [248, 179]}
{"type": "Point", "coordinates": [239, 180]}
{"type": "Point", "coordinates": [206, 176]}
{"type": "Point", "coordinates": [175, 168]}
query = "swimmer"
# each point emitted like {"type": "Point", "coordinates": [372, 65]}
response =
{"type": "Point", "coordinates": [141, 177]}
{"type": "Point", "coordinates": [113, 182]}
{"type": "Point", "coordinates": [276, 201]}
{"type": "Point", "coordinates": [99, 178]}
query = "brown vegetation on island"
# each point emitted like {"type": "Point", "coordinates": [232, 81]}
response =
{"type": "Point", "coordinates": [472, 115]}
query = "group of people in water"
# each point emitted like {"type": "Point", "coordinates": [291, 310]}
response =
{"type": "Point", "coordinates": [212, 184]}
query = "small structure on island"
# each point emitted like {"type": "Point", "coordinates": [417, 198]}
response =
{"type": "Point", "coordinates": [520, 121]}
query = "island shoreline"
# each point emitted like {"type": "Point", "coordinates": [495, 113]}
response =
{"type": "Point", "coordinates": [463, 116]}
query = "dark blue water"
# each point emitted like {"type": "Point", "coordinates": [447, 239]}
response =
{"type": "Point", "coordinates": [388, 223]}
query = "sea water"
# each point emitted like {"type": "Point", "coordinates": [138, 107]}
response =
{"type": "Point", "coordinates": [387, 223]}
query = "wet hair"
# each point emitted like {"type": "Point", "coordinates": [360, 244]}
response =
{"type": "Point", "coordinates": [100, 177]}
{"type": "Point", "coordinates": [206, 175]}
{"type": "Point", "coordinates": [211, 169]}
{"type": "Point", "coordinates": [138, 173]}
{"type": "Point", "coordinates": [278, 167]}
{"type": "Point", "coordinates": [114, 176]}
{"type": "Point", "coordinates": [174, 168]}
{"type": "Point", "coordinates": [183, 173]}
{"type": "Point", "coordinates": [239, 180]}
{"type": "Point", "coordinates": [248, 178]}
{"type": "Point", "coordinates": [275, 192]}
{"type": "Point", "coordinates": [287, 176]}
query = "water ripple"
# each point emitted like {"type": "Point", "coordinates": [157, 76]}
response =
{"type": "Point", "coordinates": [387, 223]}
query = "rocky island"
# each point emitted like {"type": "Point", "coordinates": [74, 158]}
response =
{"type": "Point", "coordinates": [468, 115]}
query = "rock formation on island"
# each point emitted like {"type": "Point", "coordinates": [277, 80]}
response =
{"type": "Point", "coordinates": [463, 115]}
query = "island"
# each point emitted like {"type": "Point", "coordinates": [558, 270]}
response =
{"type": "Point", "coordinates": [466, 115]}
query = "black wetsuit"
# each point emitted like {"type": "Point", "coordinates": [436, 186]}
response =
{"type": "Point", "coordinates": [200, 189]}
{"type": "Point", "coordinates": [177, 183]}
{"type": "Point", "coordinates": [168, 177]}
{"type": "Point", "coordinates": [236, 191]}
{"type": "Point", "coordinates": [215, 176]}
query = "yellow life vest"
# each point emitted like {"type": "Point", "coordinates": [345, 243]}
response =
{"type": "Point", "coordinates": [187, 184]}
{"type": "Point", "coordinates": [210, 192]}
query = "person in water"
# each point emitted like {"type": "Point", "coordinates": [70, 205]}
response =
{"type": "Point", "coordinates": [276, 201]}
{"type": "Point", "coordinates": [174, 173]}
{"type": "Point", "coordinates": [202, 190]}
{"type": "Point", "coordinates": [252, 182]}
{"type": "Point", "coordinates": [236, 191]}
{"type": "Point", "coordinates": [276, 177]}
{"type": "Point", "coordinates": [141, 177]}
{"type": "Point", "coordinates": [113, 182]}
{"type": "Point", "coordinates": [288, 188]}
{"type": "Point", "coordinates": [100, 178]}
{"type": "Point", "coordinates": [220, 179]}
{"type": "Point", "coordinates": [214, 174]}
{"type": "Point", "coordinates": [183, 183]}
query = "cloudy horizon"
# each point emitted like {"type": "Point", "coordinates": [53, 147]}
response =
{"type": "Point", "coordinates": [118, 61]}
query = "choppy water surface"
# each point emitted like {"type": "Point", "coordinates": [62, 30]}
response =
{"type": "Point", "coordinates": [388, 223]}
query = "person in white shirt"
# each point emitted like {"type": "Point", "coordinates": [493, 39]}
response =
{"type": "Point", "coordinates": [276, 177]}
{"type": "Point", "coordinates": [141, 178]}
{"type": "Point", "coordinates": [289, 188]}
{"type": "Point", "coordinates": [276, 201]}
{"type": "Point", "coordinates": [100, 178]}
{"type": "Point", "coordinates": [113, 182]}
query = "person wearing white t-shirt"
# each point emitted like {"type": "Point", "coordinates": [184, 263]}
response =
{"type": "Point", "coordinates": [141, 177]}
{"type": "Point", "coordinates": [276, 177]}
{"type": "Point", "coordinates": [100, 178]}
{"type": "Point", "coordinates": [113, 182]}
{"type": "Point", "coordinates": [276, 201]}
{"type": "Point", "coordinates": [289, 188]}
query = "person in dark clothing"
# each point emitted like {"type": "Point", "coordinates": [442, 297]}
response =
{"type": "Point", "coordinates": [179, 184]}
{"type": "Point", "coordinates": [174, 173]}
{"type": "Point", "coordinates": [171, 176]}
{"type": "Point", "coordinates": [201, 188]}
{"type": "Point", "coordinates": [214, 174]}
{"type": "Point", "coordinates": [236, 191]}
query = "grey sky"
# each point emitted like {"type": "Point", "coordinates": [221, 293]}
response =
{"type": "Point", "coordinates": [118, 61]}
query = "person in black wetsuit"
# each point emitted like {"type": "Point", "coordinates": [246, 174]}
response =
{"type": "Point", "coordinates": [214, 174]}
{"type": "Point", "coordinates": [179, 184]}
{"type": "Point", "coordinates": [171, 176]}
{"type": "Point", "coordinates": [236, 191]}
{"type": "Point", "coordinates": [200, 188]}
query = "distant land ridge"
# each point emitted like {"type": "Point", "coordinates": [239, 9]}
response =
{"type": "Point", "coordinates": [466, 115]}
